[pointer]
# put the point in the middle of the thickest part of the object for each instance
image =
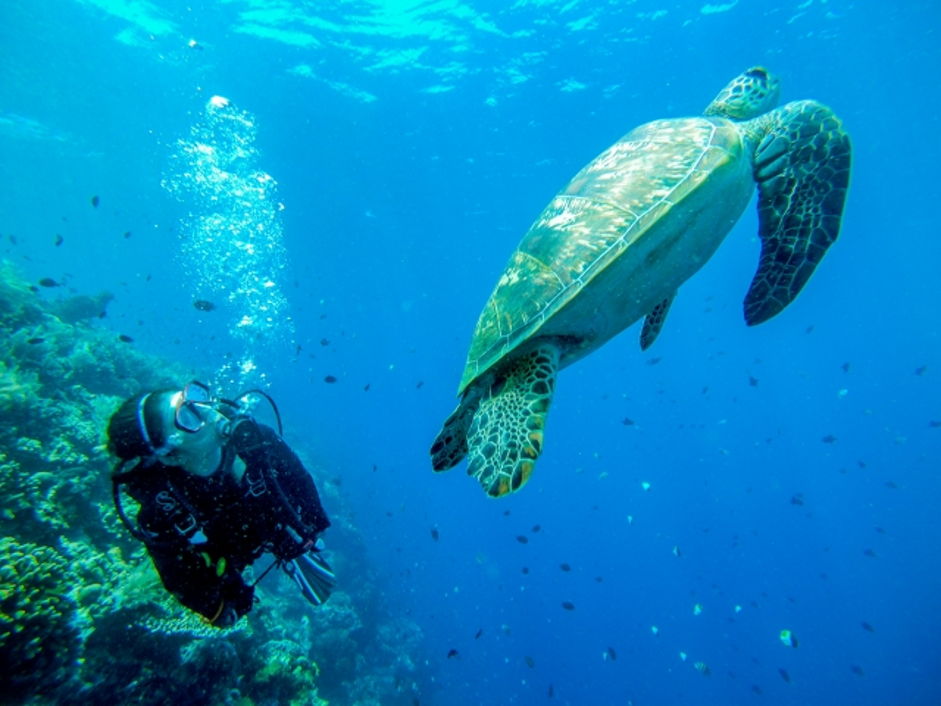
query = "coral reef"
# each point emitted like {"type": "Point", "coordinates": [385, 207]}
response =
{"type": "Point", "coordinates": [84, 618]}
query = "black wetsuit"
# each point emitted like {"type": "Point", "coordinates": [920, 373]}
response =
{"type": "Point", "coordinates": [202, 532]}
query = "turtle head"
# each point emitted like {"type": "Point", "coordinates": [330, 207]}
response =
{"type": "Point", "coordinates": [749, 95]}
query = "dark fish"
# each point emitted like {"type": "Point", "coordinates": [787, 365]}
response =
{"type": "Point", "coordinates": [753, 381]}
{"type": "Point", "coordinates": [551, 691]}
{"type": "Point", "coordinates": [568, 605]}
{"type": "Point", "coordinates": [828, 439]}
{"type": "Point", "coordinates": [921, 371]}
{"type": "Point", "coordinates": [857, 670]}
{"type": "Point", "coordinates": [525, 569]}
{"type": "Point", "coordinates": [94, 201]}
{"type": "Point", "coordinates": [612, 654]}
{"type": "Point", "coordinates": [204, 305]}
{"type": "Point", "coordinates": [323, 316]}
{"type": "Point", "coordinates": [434, 533]}
{"type": "Point", "coordinates": [324, 342]}
{"type": "Point", "coordinates": [870, 553]}
{"type": "Point", "coordinates": [598, 579]}
{"type": "Point", "coordinates": [861, 464]}
{"type": "Point", "coordinates": [330, 379]}
{"type": "Point", "coordinates": [374, 468]}
{"type": "Point", "coordinates": [125, 339]}
{"type": "Point", "coordinates": [452, 653]}
{"type": "Point", "coordinates": [705, 389]}
{"type": "Point", "coordinates": [506, 513]}
{"type": "Point", "coordinates": [479, 633]}
{"type": "Point", "coordinates": [891, 484]}
{"type": "Point", "coordinates": [797, 499]}
{"type": "Point", "coordinates": [48, 282]}
{"type": "Point", "coordinates": [627, 421]}
{"type": "Point", "coordinates": [654, 361]}
{"type": "Point", "coordinates": [529, 662]}
{"type": "Point", "coordinates": [756, 689]}
{"type": "Point", "coordinates": [127, 234]}
{"type": "Point", "coordinates": [867, 627]}
{"type": "Point", "coordinates": [420, 383]}
{"type": "Point", "coordinates": [933, 424]}
{"type": "Point", "coordinates": [12, 239]}
{"type": "Point", "coordinates": [565, 567]}
{"type": "Point", "coordinates": [59, 240]}
{"type": "Point", "coordinates": [784, 675]}
{"type": "Point", "coordinates": [366, 389]}
{"type": "Point", "coordinates": [522, 539]}
{"type": "Point", "coordinates": [846, 367]}
{"type": "Point", "coordinates": [810, 329]}
{"type": "Point", "coordinates": [35, 341]}
{"type": "Point", "coordinates": [536, 528]}
{"type": "Point", "coordinates": [880, 530]}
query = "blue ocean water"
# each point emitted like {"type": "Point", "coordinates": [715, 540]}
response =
{"type": "Point", "coordinates": [396, 153]}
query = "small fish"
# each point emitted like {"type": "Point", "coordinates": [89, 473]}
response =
{"type": "Point", "coordinates": [127, 234]}
{"type": "Point", "coordinates": [565, 567]}
{"type": "Point", "coordinates": [677, 553]}
{"type": "Point", "coordinates": [857, 670]}
{"type": "Point", "coordinates": [654, 361]}
{"type": "Point", "coordinates": [525, 569]}
{"type": "Point", "coordinates": [12, 239]}
{"type": "Point", "coordinates": [867, 627]}
{"type": "Point", "coordinates": [434, 533]}
{"type": "Point", "coordinates": [453, 653]}
{"type": "Point", "coordinates": [612, 655]}
{"type": "Point", "coordinates": [880, 530]}
{"type": "Point", "coordinates": [828, 439]}
{"type": "Point", "coordinates": [846, 367]}
{"type": "Point", "coordinates": [861, 464]}
{"type": "Point", "coordinates": [323, 316]}
{"type": "Point", "coordinates": [756, 689]}
{"type": "Point", "coordinates": [598, 579]}
{"type": "Point", "coordinates": [705, 390]}
{"type": "Point", "coordinates": [35, 341]}
{"type": "Point", "coordinates": [788, 639]}
{"type": "Point", "coordinates": [892, 484]}
{"type": "Point", "coordinates": [529, 662]}
{"type": "Point", "coordinates": [366, 389]}
{"type": "Point", "coordinates": [324, 342]}
{"type": "Point", "coordinates": [375, 468]}
{"type": "Point", "coordinates": [627, 421]}
{"type": "Point", "coordinates": [95, 201]}
{"type": "Point", "coordinates": [784, 675]}
{"type": "Point", "coordinates": [204, 305]}
{"type": "Point", "coordinates": [420, 383]}
{"type": "Point", "coordinates": [753, 381]}
{"type": "Point", "coordinates": [536, 528]}
{"type": "Point", "coordinates": [48, 282]}
{"type": "Point", "coordinates": [797, 499]}
{"type": "Point", "coordinates": [506, 513]}
{"type": "Point", "coordinates": [870, 553]}
{"type": "Point", "coordinates": [193, 44]}
{"type": "Point", "coordinates": [702, 668]}
{"type": "Point", "coordinates": [568, 605]}
{"type": "Point", "coordinates": [125, 339]}
{"type": "Point", "coordinates": [921, 370]}
{"type": "Point", "coordinates": [330, 379]}
{"type": "Point", "coordinates": [479, 633]}
{"type": "Point", "coordinates": [810, 329]}
{"type": "Point", "coordinates": [522, 539]}
{"type": "Point", "coordinates": [59, 240]}
{"type": "Point", "coordinates": [551, 691]}
{"type": "Point", "coordinates": [933, 424]}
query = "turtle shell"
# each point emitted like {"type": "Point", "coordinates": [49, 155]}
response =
{"type": "Point", "coordinates": [609, 205]}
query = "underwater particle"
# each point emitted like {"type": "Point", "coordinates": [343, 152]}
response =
{"type": "Point", "coordinates": [738, 609]}
{"type": "Point", "coordinates": [330, 379]}
{"type": "Point", "coordinates": [891, 484]}
{"type": "Point", "coordinates": [324, 342]}
{"type": "Point", "coordinates": [59, 240]}
{"type": "Point", "coordinates": [677, 553]}
{"type": "Point", "coordinates": [565, 567]}
{"type": "Point", "coordinates": [522, 539]}
{"type": "Point", "coordinates": [683, 656]}
{"type": "Point", "coordinates": [842, 393]}
{"type": "Point", "coordinates": [419, 385]}
{"type": "Point", "coordinates": [204, 305]}
{"type": "Point", "coordinates": [627, 421]}
{"type": "Point", "coordinates": [434, 533]}
{"type": "Point", "coordinates": [95, 201]}
{"type": "Point", "coordinates": [857, 670]}
{"type": "Point", "coordinates": [645, 485]}
{"type": "Point", "coordinates": [702, 668]}
{"type": "Point", "coordinates": [846, 367]}
{"type": "Point", "coordinates": [598, 579]}
{"type": "Point", "coordinates": [48, 282]}
{"type": "Point", "coordinates": [568, 605]}
{"type": "Point", "coordinates": [921, 370]}
{"type": "Point", "coordinates": [654, 361]}
{"type": "Point", "coordinates": [35, 341]}
{"type": "Point", "coordinates": [797, 499]}
{"type": "Point", "coordinates": [697, 609]}
{"type": "Point", "coordinates": [753, 381]}
{"type": "Point", "coordinates": [125, 339]}
{"type": "Point", "coordinates": [870, 553]}
{"type": "Point", "coordinates": [530, 662]}
{"type": "Point", "coordinates": [612, 655]}
{"type": "Point", "coordinates": [536, 528]}
{"type": "Point", "coordinates": [193, 44]}
{"type": "Point", "coordinates": [479, 633]}
{"type": "Point", "coordinates": [756, 689]}
{"type": "Point", "coordinates": [784, 675]}
{"type": "Point", "coordinates": [867, 627]}
{"type": "Point", "coordinates": [630, 519]}
{"type": "Point", "coordinates": [788, 639]}
{"type": "Point", "coordinates": [828, 439]}
{"type": "Point", "coordinates": [525, 569]}
{"type": "Point", "coordinates": [654, 629]}
{"type": "Point", "coordinates": [453, 653]}
{"type": "Point", "coordinates": [127, 234]}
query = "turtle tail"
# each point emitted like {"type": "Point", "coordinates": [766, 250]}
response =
{"type": "Point", "coordinates": [505, 437]}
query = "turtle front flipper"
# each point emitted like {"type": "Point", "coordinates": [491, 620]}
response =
{"type": "Point", "coordinates": [802, 166]}
{"type": "Point", "coordinates": [450, 446]}
{"type": "Point", "coordinates": [505, 438]}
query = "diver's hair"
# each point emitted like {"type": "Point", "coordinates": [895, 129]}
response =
{"type": "Point", "coordinates": [126, 440]}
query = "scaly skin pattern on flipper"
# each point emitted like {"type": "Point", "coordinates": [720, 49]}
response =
{"type": "Point", "coordinates": [802, 166]}
{"type": "Point", "coordinates": [653, 323]}
{"type": "Point", "coordinates": [506, 436]}
{"type": "Point", "coordinates": [450, 446]}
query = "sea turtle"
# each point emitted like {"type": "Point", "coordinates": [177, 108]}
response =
{"type": "Point", "coordinates": [616, 243]}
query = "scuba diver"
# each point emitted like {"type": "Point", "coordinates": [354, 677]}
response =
{"type": "Point", "coordinates": [216, 490]}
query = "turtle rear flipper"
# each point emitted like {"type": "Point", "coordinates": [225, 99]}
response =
{"type": "Point", "coordinates": [802, 167]}
{"type": "Point", "coordinates": [505, 438]}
